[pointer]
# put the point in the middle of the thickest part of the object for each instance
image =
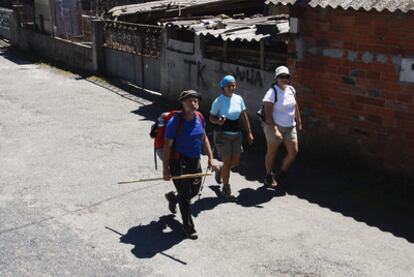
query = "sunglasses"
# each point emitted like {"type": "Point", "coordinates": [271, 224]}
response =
{"type": "Point", "coordinates": [284, 77]}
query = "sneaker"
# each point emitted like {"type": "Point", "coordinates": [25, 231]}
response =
{"type": "Point", "coordinates": [269, 181]}
{"type": "Point", "coordinates": [226, 192]}
{"type": "Point", "coordinates": [217, 175]}
{"type": "Point", "coordinates": [172, 202]}
{"type": "Point", "coordinates": [190, 232]}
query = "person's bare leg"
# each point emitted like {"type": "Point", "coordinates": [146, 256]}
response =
{"type": "Point", "coordinates": [225, 170]}
{"type": "Point", "coordinates": [225, 175]}
{"type": "Point", "coordinates": [270, 156]}
{"type": "Point", "coordinates": [292, 148]}
{"type": "Point", "coordinates": [235, 160]}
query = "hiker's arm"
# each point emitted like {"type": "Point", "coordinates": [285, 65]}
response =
{"type": "Point", "coordinates": [166, 159]}
{"type": "Point", "coordinates": [207, 149]}
{"type": "Point", "coordinates": [217, 120]}
{"type": "Point", "coordinates": [215, 117]}
{"type": "Point", "coordinates": [268, 106]}
{"type": "Point", "coordinates": [269, 118]}
{"type": "Point", "coordinates": [246, 124]}
{"type": "Point", "coordinates": [298, 118]}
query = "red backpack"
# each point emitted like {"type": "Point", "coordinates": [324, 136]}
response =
{"type": "Point", "coordinates": [158, 132]}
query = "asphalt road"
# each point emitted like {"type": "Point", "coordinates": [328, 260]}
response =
{"type": "Point", "coordinates": [66, 142]}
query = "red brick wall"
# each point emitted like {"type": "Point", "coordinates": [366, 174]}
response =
{"type": "Point", "coordinates": [347, 78]}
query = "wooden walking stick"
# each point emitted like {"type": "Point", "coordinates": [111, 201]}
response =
{"type": "Point", "coordinates": [185, 176]}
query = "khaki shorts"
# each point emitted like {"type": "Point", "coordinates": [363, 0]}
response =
{"type": "Point", "coordinates": [228, 145]}
{"type": "Point", "coordinates": [288, 133]}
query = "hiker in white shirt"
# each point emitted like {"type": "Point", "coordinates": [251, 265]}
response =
{"type": "Point", "coordinates": [282, 122]}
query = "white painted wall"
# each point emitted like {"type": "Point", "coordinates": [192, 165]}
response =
{"type": "Point", "coordinates": [192, 71]}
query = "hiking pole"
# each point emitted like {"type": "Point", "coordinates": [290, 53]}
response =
{"type": "Point", "coordinates": [185, 176]}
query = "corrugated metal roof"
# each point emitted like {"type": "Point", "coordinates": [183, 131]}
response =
{"type": "Point", "coordinates": [154, 6]}
{"type": "Point", "coordinates": [235, 29]}
{"type": "Point", "coordinates": [379, 5]}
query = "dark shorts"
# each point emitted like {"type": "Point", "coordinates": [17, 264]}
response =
{"type": "Point", "coordinates": [228, 145]}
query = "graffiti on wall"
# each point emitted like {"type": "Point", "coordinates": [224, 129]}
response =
{"type": "Point", "coordinates": [199, 67]}
{"type": "Point", "coordinates": [243, 75]}
{"type": "Point", "coordinates": [251, 76]}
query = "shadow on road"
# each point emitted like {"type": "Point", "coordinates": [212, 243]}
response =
{"type": "Point", "coordinates": [149, 112]}
{"type": "Point", "coordinates": [375, 203]}
{"type": "Point", "coordinates": [11, 55]}
{"type": "Point", "coordinates": [385, 203]}
{"type": "Point", "coordinates": [249, 197]}
{"type": "Point", "coordinates": [155, 237]}
{"type": "Point", "coordinates": [209, 203]}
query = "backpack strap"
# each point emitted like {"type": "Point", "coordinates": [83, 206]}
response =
{"type": "Point", "coordinates": [293, 90]}
{"type": "Point", "coordinates": [289, 86]}
{"type": "Point", "coordinates": [180, 122]}
{"type": "Point", "coordinates": [174, 154]}
{"type": "Point", "coordinates": [275, 92]}
{"type": "Point", "coordinates": [201, 118]}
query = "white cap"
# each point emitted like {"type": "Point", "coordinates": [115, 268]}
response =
{"type": "Point", "coordinates": [281, 70]}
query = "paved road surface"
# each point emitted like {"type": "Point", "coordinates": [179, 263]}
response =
{"type": "Point", "coordinates": [64, 145]}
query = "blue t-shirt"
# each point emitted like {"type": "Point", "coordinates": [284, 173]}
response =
{"type": "Point", "coordinates": [189, 138]}
{"type": "Point", "coordinates": [228, 107]}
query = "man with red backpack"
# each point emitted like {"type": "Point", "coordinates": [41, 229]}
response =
{"type": "Point", "coordinates": [184, 139]}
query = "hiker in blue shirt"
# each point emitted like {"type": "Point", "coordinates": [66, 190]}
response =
{"type": "Point", "coordinates": [226, 112]}
{"type": "Point", "coordinates": [184, 138]}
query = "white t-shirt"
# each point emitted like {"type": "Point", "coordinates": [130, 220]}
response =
{"type": "Point", "coordinates": [285, 107]}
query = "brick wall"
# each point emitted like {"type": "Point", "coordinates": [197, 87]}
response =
{"type": "Point", "coordinates": [347, 74]}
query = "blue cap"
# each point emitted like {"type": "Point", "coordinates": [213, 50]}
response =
{"type": "Point", "coordinates": [227, 79]}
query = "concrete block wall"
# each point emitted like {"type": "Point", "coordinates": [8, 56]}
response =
{"type": "Point", "coordinates": [348, 79]}
{"type": "Point", "coordinates": [76, 55]}
{"type": "Point", "coordinates": [72, 54]}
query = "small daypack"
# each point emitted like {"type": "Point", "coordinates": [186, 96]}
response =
{"type": "Point", "coordinates": [158, 132]}
{"type": "Point", "coordinates": [261, 112]}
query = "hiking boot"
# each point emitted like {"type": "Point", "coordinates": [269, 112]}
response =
{"type": "Point", "coordinates": [190, 232]}
{"type": "Point", "coordinates": [226, 191]}
{"type": "Point", "coordinates": [172, 202]}
{"type": "Point", "coordinates": [217, 175]}
{"type": "Point", "coordinates": [269, 181]}
{"type": "Point", "coordinates": [282, 178]}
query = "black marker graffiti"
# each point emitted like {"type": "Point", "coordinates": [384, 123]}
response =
{"type": "Point", "coordinates": [200, 70]}
{"type": "Point", "coordinates": [251, 76]}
